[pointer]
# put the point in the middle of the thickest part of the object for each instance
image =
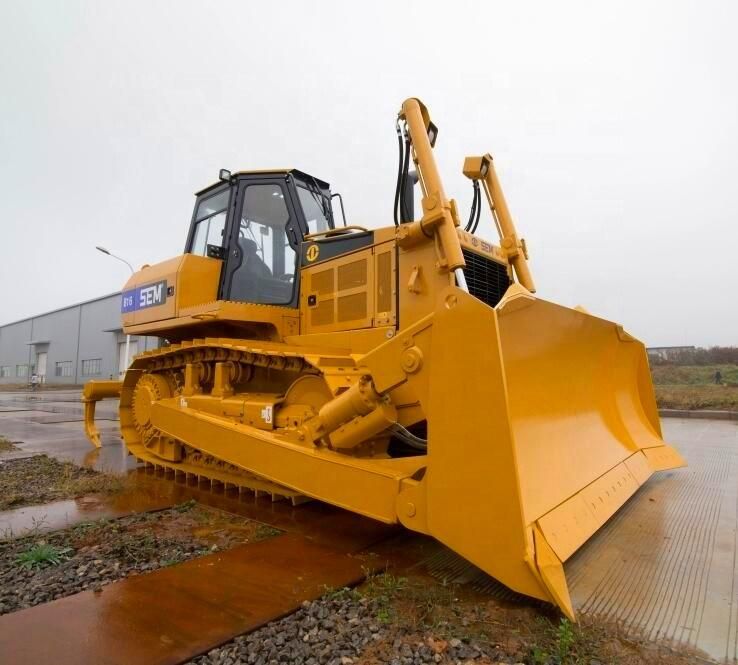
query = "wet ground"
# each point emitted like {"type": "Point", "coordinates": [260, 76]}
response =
{"type": "Point", "coordinates": [665, 566]}
{"type": "Point", "coordinates": [52, 422]}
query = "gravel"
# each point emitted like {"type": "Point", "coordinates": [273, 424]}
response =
{"type": "Point", "coordinates": [343, 630]}
{"type": "Point", "coordinates": [97, 553]}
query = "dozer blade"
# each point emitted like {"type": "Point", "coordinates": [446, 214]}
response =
{"type": "Point", "coordinates": [542, 423]}
{"type": "Point", "coordinates": [92, 393]}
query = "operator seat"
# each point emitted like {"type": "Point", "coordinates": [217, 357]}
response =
{"type": "Point", "coordinates": [249, 276]}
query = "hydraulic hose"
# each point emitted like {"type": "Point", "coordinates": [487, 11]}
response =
{"type": "Point", "coordinates": [476, 209]}
{"type": "Point", "coordinates": [404, 212]}
{"type": "Point", "coordinates": [399, 174]}
{"type": "Point", "coordinates": [479, 206]}
{"type": "Point", "coordinates": [408, 438]}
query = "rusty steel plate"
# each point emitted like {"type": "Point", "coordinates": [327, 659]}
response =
{"type": "Point", "coordinates": [173, 614]}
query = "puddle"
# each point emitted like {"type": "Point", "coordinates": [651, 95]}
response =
{"type": "Point", "coordinates": [20, 522]}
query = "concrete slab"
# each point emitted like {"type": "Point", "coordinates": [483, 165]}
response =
{"type": "Point", "coordinates": [666, 565]}
{"type": "Point", "coordinates": [51, 423]}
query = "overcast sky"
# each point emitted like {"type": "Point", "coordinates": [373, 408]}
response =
{"type": "Point", "coordinates": [614, 127]}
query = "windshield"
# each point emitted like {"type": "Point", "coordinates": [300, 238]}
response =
{"type": "Point", "coordinates": [316, 206]}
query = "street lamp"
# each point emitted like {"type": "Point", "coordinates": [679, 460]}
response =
{"type": "Point", "coordinates": [130, 267]}
{"type": "Point", "coordinates": [109, 253]}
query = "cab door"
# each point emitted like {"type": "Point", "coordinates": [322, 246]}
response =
{"type": "Point", "coordinates": [261, 265]}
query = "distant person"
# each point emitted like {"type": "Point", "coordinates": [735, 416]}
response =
{"type": "Point", "coordinates": [35, 381]}
{"type": "Point", "coordinates": [718, 377]}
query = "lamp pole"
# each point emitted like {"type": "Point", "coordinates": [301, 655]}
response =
{"type": "Point", "coordinates": [130, 267]}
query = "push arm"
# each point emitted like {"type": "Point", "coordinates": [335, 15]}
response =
{"type": "Point", "coordinates": [440, 217]}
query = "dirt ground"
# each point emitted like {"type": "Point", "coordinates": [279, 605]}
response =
{"type": "Point", "coordinates": [455, 624]}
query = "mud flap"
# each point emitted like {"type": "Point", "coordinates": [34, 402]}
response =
{"type": "Point", "coordinates": [542, 423]}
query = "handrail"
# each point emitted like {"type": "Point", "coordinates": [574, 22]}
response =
{"type": "Point", "coordinates": [342, 230]}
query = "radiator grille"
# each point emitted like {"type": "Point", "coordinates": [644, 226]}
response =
{"type": "Point", "coordinates": [487, 280]}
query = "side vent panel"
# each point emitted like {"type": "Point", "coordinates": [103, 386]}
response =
{"type": "Point", "coordinates": [338, 294]}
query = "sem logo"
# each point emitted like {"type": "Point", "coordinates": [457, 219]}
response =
{"type": "Point", "coordinates": [150, 295]}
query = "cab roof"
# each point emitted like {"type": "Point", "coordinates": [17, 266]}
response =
{"type": "Point", "coordinates": [300, 174]}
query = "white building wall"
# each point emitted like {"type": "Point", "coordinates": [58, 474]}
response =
{"type": "Point", "coordinates": [86, 331]}
{"type": "Point", "coordinates": [14, 350]}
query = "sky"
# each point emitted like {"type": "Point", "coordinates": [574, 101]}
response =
{"type": "Point", "coordinates": [614, 128]}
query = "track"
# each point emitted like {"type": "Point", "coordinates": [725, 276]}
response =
{"type": "Point", "coordinates": [190, 369]}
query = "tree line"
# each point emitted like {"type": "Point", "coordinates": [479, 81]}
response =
{"type": "Point", "coordinates": [715, 355]}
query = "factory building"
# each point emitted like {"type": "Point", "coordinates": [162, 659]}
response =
{"type": "Point", "coordinates": [70, 345]}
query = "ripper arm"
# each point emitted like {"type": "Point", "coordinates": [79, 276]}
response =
{"type": "Point", "coordinates": [93, 392]}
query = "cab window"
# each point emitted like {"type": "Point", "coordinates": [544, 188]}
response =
{"type": "Point", "coordinates": [210, 219]}
{"type": "Point", "coordinates": [266, 258]}
{"type": "Point", "coordinates": [312, 204]}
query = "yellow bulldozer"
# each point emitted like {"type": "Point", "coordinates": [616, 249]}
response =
{"type": "Point", "coordinates": [406, 373]}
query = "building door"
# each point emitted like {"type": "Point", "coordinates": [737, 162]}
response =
{"type": "Point", "coordinates": [132, 351]}
{"type": "Point", "coordinates": [41, 365]}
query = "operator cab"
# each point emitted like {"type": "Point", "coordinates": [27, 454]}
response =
{"type": "Point", "coordinates": [254, 223]}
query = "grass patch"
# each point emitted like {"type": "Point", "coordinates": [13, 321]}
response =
{"type": "Point", "coordinates": [43, 554]}
{"type": "Point", "coordinates": [41, 479]}
{"type": "Point", "coordinates": [412, 604]}
{"type": "Point", "coordinates": [694, 375]}
{"type": "Point", "coordinates": [74, 483]}
{"type": "Point", "coordinates": [693, 387]}
{"type": "Point", "coordinates": [565, 643]}
{"type": "Point", "coordinates": [6, 445]}
{"type": "Point", "coordinates": [720, 398]}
